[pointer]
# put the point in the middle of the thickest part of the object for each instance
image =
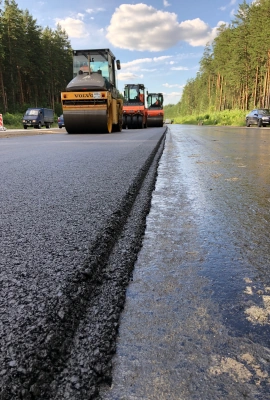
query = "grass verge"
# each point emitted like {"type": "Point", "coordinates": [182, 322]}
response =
{"type": "Point", "coordinates": [226, 117]}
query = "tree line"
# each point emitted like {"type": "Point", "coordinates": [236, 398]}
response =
{"type": "Point", "coordinates": [234, 71]}
{"type": "Point", "coordinates": [35, 63]}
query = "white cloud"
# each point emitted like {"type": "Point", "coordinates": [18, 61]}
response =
{"type": "Point", "coordinates": [127, 76]}
{"type": "Point", "coordinates": [140, 61]}
{"type": "Point", "coordinates": [173, 85]}
{"type": "Point", "coordinates": [196, 32]}
{"type": "Point", "coordinates": [144, 28]}
{"type": "Point", "coordinates": [179, 68]}
{"type": "Point", "coordinates": [75, 28]}
{"type": "Point", "coordinates": [230, 4]}
{"type": "Point", "coordinates": [166, 3]}
{"type": "Point", "coordinates": [94, 10]}
{"type": "Point", "coordinates": [172, 98]}
{"type": "Point", "coordinates": [80, 33]}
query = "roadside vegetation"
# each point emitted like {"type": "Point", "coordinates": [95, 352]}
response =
{"type": "Point", "coordinates": [225, 117]}
{"type": "Point", "coordinates": [35, 63]}
{"type": "Point", "coordinates": [234, 73]}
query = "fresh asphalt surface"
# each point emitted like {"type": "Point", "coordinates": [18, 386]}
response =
{"type": "Point", "coordinates": [73, 211]}
{"type": "Point", "coordinates": [195, 325]}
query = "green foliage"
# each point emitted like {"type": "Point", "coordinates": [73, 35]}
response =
{"type": "Point", "coordinates": [234, 72]}
{"type": "Point", "coordinates": [12, 120]}
{"type": "Point", "coordinates": [35, 63]}
{"type": "Point", "coordinates": [58, 109]}
{"type": "Point", "coordinates": [226, 117]}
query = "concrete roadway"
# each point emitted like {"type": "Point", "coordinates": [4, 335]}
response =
{"type": "Point", "coordinates": [196, 322]}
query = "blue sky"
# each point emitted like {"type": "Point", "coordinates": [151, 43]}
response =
{"type": "Point", "coordinates": [159, 42]}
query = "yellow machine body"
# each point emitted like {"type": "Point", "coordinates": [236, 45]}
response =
{"type": "Point", "coordinates": [90, 103]}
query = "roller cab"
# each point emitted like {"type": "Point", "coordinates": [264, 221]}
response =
{"type": "Point", "coordinates": [91, 102]}
{"type": "Point", "coordinates": [155, 109]}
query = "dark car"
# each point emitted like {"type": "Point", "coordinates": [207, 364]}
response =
{"type": "Point", "coordinates": [259, 117]}
{"type": "Point", "coordinates": [61, 122]}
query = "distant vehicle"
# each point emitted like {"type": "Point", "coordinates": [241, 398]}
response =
{"type": "Point", "coordinates": [168, 121]}
{"type": "Point", "coordinates": [155, 109]}
{"type": "Point", "coordinates": [134, 110]}
{"type": "Point", "coordinates": [259, 117]}
{"type": "Point", "coordinates": [38, 117]}
{"type": "Point", "coordinates": [61, 122]}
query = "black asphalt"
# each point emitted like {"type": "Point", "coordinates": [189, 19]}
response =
{"type": "Point", "coordinates": [72, 217]}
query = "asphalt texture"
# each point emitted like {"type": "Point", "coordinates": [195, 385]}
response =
{"type": "Point", "coordinates": [196, 323]}
{"type": "Point", "coordinates": [72, 218]}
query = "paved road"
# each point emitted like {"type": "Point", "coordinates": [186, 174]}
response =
{"type": "Point", "coordinates": [72, 216]}
{"type": "Point", "coordinates": [196, 322]}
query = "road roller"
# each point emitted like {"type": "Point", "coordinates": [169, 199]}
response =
{"type": "Point", "coordinates": [91, 102]}
{"type": "Point", "coordinates": [134, 110]}
{"type": "Point", "coordinates": [155, 109]}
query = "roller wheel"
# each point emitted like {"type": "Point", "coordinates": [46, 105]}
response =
{"type": "Point", "coordinates": [140, 122]}
{"type": "Point", "coordinates": [124, 126]}
{"type": "Point", "coordinates": [70, 131]}
{"type": "Point", "coordinates": [118, 127]}
{"type": "Point", "coordinates": [109, 120]}
{"type": "Point", "coordinates": [129, 121]}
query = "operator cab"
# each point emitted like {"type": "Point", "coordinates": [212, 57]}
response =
{"type": "Point", "coordinates": [155, 100]}
{"type": "Point", "coordinates": [93, 70]}
{"type": "Point", "coordinates": [134, 94]}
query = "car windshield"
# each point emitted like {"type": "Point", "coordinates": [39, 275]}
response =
{"type": "Point", "coordinates": [264, 111]}
{"type": "Point", "coordinates": [31, 112]}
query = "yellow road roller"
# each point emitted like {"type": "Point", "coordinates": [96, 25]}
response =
{"type": "Point", "coordinates": [91, 102]}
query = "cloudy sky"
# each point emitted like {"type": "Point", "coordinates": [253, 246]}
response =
{"type": "Point", "coordinates": [159, 42]}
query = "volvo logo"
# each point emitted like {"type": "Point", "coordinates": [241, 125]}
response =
{"type": "Point", "coordinates": [84, 95]}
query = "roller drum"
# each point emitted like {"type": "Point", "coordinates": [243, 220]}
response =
{"type": "Point", "coordinates": [82, 121]}
{"type": "Point", "coordinates": [154, 121]}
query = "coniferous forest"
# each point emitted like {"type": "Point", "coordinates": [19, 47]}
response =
{"type": "Point", "coordinates": [234, 71]}
{"type": "Point", "coordinates": [35, 63]}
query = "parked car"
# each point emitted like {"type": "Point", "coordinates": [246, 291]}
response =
{"type": "Point", "coordinates": [61, 122]}
{"type": "Point", "coordinates": [259, 117]}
